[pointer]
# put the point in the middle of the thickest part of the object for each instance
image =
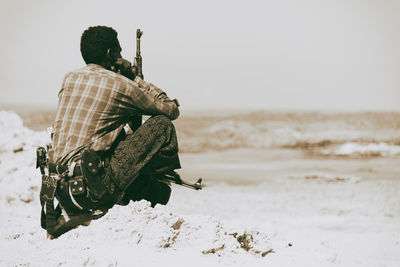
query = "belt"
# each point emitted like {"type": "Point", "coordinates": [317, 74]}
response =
{"type": "Point", "coordinates": [64, 169]}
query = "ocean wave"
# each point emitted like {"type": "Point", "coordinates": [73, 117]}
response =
{"type": "Point", "coordinates": [362, 149]}
{"type": "Point", "coordinates": [307, 131]}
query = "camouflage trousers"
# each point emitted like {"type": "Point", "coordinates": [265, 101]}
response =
{"type": "Point", "coordinates": [136, 160]}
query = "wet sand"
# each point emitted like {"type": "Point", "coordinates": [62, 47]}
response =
{"type": "Point", "coordinates": [252, 166]}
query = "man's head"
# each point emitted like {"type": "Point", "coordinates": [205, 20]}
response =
{"type": "Point", "coordinates": [100, 45]}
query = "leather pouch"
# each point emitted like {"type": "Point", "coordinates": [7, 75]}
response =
{"type": "Point", "coordinates": [93, 171]}
{"type": "Point", "coordinates": [77, 186]}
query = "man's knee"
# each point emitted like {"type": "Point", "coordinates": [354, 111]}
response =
{"type": "Point", "coordinates": [160, 122]}
{"type": "Point", "coordinates": [162, 119]}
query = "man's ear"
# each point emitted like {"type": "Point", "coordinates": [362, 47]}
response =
{"type": "Point", "coordinates": [110, 60]}
{"type": "Point", "coordinates": [108, 54]}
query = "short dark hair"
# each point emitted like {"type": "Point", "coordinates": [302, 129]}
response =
{"type": "Point", "coordinates": [95, 41]}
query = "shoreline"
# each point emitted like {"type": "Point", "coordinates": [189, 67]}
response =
{"type": "Point", "coordinates": [262, 165]}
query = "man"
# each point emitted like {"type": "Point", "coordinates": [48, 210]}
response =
{"type": "Point", "coordinates": [104, 165]}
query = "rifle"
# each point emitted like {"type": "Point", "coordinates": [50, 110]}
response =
{"type": "Point", "coordinates": [171, 176]}
{"type": "Point", "coordinates": [138, 59]}
{"type": "Point", "coordinates": [137, 66]}
{"type": "Point", "coordinates": [175, 178]}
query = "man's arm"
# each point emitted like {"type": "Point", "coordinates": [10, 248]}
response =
{"type": "Point", "coordinates": [152, 100]}
{"type": "Point", "coordinates": [155, 101]}
{"type": "Point", "coordinates": [139, 97]}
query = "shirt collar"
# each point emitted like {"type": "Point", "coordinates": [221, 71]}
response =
{"type": "Point", "coordinates": [94, 66]}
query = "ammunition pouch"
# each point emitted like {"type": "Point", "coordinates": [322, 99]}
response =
{"type": "Point", "coordinates": [74, 196]}
{"type": "Point", "coordinates": [83, 187]}
{"type": "Point", "coordinates": [79, 190]}
{"type": "Point", "coordinates": [81, 183]}
{"type": "Point", "coordinates": [77, 186]}
{"type": "Point", "coordinates": [93, 171]}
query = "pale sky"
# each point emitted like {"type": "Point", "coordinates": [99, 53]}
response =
{"type": "Point", "coordinates": [210, 54]}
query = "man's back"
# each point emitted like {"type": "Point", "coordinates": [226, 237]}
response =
{"type": "Point", "coordinates": [95, 104]}
{"type": "Point", "coordinates": [87, 112]}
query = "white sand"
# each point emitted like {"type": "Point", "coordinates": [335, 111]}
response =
{"type": "Point", "coordinates": [299, 211]}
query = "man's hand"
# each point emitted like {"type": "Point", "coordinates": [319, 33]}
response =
{"type": "Point", "coordinates": [122, 63]}
{"type": "Point", "coordinates": [125, 67]}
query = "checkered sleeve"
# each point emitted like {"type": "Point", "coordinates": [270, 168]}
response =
{"type": "Point", "coordinates": [150, 100]}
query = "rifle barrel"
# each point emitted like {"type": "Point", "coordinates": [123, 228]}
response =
{"type": "Point", "coordinates": [138, 58]}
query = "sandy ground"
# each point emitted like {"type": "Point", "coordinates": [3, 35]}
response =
{"type": "Point", "coordinates": [338, 211]}
{"type": "Point", "coordinates": [300, 210]}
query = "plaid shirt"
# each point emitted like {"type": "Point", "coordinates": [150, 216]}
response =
{"type": "Point", "coordinates": [94, 106]}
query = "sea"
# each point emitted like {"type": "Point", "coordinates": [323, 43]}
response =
{"type": "Point", "coordinates": [356, 134]}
